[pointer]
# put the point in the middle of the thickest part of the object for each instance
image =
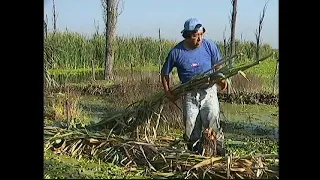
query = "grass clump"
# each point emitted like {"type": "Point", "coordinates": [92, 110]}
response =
{"type": "Point", "coordinates": [65, 109]}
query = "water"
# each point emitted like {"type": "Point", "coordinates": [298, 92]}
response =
{"type": "Point", "coordinates": [253, 130]}
{"type": "Point", "coordinates": [250, 120]}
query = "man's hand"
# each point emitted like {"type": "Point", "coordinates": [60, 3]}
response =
{"type": "Point", "coordinates": [220, 82]}
{"type": "Point", "coordinates": [170, 96]}
{"type": "Point", "coordinates": [165, 83]}
{"type": "Point", "coordinates": [223, 84]}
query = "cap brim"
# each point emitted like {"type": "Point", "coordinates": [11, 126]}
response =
{"type": "Point", "coordinates": [198, 27]}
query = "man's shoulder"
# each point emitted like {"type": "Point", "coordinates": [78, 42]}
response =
{"type": "Point", "coordinates": [176, 48]}
{"type": "Point", "coordinates": [209, 42]}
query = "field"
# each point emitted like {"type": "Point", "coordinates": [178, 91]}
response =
{"type": "Point", "coordinates": [78, 100]}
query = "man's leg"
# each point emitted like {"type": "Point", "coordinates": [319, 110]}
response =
{"type": "Point", "coordinates": [209, 111]}
{"type": "Point", "coordinates": [191, 117]}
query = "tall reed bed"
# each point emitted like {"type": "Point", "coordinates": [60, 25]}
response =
{"type": "Point", "coordinates": [74, 51]}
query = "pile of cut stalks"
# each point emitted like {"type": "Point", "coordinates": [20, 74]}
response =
{"type": "Point", "coordinates": [164, 157]}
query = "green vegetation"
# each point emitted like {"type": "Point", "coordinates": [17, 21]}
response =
{"type": "Point", "coordinates": [265, 69]}
{"type": "Point", "coordinates": [65, 167]}
{"type": "Point", "coordinates": [251, 146]}
{"type": "Point", "coordinates": [72, 54]}
{"type": "Point", "coordinates": [76, 51]}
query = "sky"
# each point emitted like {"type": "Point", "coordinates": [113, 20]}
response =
{"type": "Point", "coordinates": [145, 17]}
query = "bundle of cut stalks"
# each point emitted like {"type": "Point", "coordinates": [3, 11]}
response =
{"type": "Point", "coordinates": [139, 112]}
{"type": "Point", "coordinates": [163, 159]}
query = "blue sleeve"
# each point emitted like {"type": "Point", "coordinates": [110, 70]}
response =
{"type": "Point", "coordinates": [215, 56]}
{"type": "Point", "coordinates": [168, 64]}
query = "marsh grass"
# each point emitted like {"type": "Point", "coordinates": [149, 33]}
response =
{"type": "Point", "coordinates": [64, 109]}
{"type": "Point", "coordinates": [75, 51]}
{"type": "Point", "coordinates": [255, 84]}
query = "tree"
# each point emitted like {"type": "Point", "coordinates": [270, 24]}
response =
{"type": "Point", "coordinates": [45, 26]}
{"type": "Point", "coordinates": [233, 21]}
{"type": "Point", "coordinates": [258, 31]}
{"type": "Point", "coordinates": [276, 74]}
{"type": "Point", "coordinates": [233, 28]}
{"type": "Point", "coordinates": [54, 17]}
{"type": "Point", "coordinates": [111, 13]}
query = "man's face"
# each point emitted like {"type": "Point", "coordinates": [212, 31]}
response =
{"type": "Point", "coordinates": [196, 38]}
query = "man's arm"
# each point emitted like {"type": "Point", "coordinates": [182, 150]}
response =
{"type": "Point", "coordinates": [216, 58]}
{"type": "Point", "coordinates": [216, 68]}
{"type": "Point", "coordinates": [165, 71]}
{"type": "Point", "coordinates": [165, 82]}
{"type": "Point", "coordinates": [167, 90]}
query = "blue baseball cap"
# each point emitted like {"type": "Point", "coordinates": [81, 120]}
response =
{"type": "Point", "coordinates": [192, 24]}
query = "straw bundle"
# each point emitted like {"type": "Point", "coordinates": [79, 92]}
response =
{"type": "Point", "coordinates": [142, 111]}
{"type": "Point", "coordinates": [164, 158]}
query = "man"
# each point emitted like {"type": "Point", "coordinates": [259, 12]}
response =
{"type": "Point", "coordinates": [193, 56]}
